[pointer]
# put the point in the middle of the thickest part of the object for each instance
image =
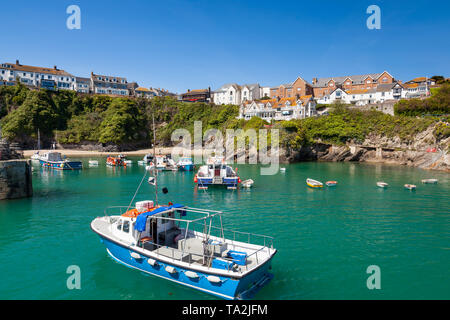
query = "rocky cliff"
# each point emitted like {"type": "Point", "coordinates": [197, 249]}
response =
{"type": "Point", "coordinates": [423, 150]}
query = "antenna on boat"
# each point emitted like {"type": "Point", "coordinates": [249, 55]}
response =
{"type": "Point", "coordinates": [154, 160]}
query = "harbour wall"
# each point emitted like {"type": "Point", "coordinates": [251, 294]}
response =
{"type": "Point", "coordinates": [15, 179]}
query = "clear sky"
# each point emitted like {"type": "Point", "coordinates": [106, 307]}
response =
{"type": "Point", "coordinates": [180, 45]}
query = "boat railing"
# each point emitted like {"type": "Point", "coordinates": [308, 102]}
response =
{"type": "Point", "coordinates": [180, 255]}
{"type": "Point", "coordinates": [241, 236]}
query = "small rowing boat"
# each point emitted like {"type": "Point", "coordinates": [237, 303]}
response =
{"type": "Point", "coordinates": [282, 169]}
{"type": "Point", "coordinates": [430, 181]}
{"type": "Point", "coordinates": [382, 184]}
{"type": "Point", "coordinates": [314, 183]}
{"type": "Point", "coordinates": [410, 186]}
{"type": "Point", "coordinates": [331, 183]}
{"type": "Point", "coordinates": [247, 183]}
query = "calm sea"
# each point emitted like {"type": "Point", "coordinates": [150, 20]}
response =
{"type": "Point", "coordinates": [326, 238]}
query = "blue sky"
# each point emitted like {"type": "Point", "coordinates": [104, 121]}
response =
{"type": "Point", "coordinates": [182, 45]}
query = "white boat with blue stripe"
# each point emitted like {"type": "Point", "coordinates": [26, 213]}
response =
{"type": "Point", "coordinates": [185, 245]}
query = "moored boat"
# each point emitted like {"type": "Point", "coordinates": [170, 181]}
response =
{"type": "Point", "coordinates": [36, 156]}
{"type": "Point", "coordinates": [432, 181]}
{"type": "Point", "coordinates": [54, 160]}
{"type": "Point", "coordinates": [170, 242]}
{"type": "Point", "coordinates": [93, 163]}
{"type": "Point", "coordinates": [410, 186]}
{"type": "Point", "coordinates": [314, 183]}
{"type": "Point", "coordinates": [217, 172]}
{"type": "Point", "coordinates": [247, 183]}
{"type": "Point", "coordinates": [164, 163]}
{"type": "Point", "coordinates": [118, 161]}
{"type": "Point", "coordinates": [185, 164]}
{"type": "Point", "coordinates": [331, 183]}
{"type": "Point", "coordinates": [382, 184]}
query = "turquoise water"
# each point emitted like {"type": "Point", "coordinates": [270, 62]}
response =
{"type": "Point", "coordinates": [326, 238]}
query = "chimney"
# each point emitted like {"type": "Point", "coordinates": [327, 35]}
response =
{"type": "Point", "coordinates": [54, 67]}
{"type": "Point", "coordinates": [17, 62]}
{"type": "Point", "coordinates": [314, 80]}
{"type": "Point", "coordinates": [189, 90]}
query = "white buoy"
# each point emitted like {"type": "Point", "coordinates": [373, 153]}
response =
{"type": "Point", "coordinates": [191, 274]}
{"type": "Point", "coordinates": [152, 262]}
{"type": "Point", "coordinates": [135, 255]}
{"type": "Point", "coordinates": [214, 279]}
{"type": "Point", "coordinates": [171, 270]}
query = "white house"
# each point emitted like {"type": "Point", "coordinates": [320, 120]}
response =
{"type": "Point", "coordinates": [250, 92]}
{"type": "Point", "coordinates": [101, 84]}
{"type": "Point", "coordinates": [228, 94]}
{"type": "Point", "coordinates": [82, 85]}
{"type": "Point", "coordinates": [233, 93]}
{"type": "Point", "coordinates": [360, 97]}
{"type": "Point", "coordinates": [279, 109]}
{"type": "Point", "coordinates": [265, 92]}
{"type": "Point", "coordinates": [50, 78]}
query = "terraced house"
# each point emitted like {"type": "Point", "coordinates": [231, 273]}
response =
{"type": "Point", "coordinates": [296, 89]}
{"type": "Point", "coordinates": [325, 86]}
{"type": "Point", "coordinates": [418, 87]}
{"type": "Point", "coordinates": [279, 108]}
{"type": "Point", "coordinates": [110, 85]}
{"type": "Point", "coordinates": [37, 77]}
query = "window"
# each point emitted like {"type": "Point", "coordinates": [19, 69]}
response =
{"type": "Point", "coordinates": [126, 226]}
{"type": "Point", "coordinates": [119, 225]}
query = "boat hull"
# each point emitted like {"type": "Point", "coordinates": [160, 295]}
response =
{"type": "Point", "coordinates": [227, 288]}
{"type": "Point", "coordinates": [62, 165]}
{"type": "Point", "coordinates": [186, 167]}
{"type": "Point", "coordinates": [228, 182]}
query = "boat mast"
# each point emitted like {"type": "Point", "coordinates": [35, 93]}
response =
{"type": "Point", "coordinates": [39, 140]}
{"type": "Point", "coordinates": [154, 160]}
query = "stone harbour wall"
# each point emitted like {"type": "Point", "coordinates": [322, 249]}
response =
{"type": "Point", "coordinates": [15, 179]}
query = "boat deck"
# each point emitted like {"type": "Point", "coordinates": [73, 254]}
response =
{"type": "Point", "coordinates": [256, 255]}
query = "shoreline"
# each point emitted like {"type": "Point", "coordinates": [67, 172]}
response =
{"type": "Point", "coordinates": [86, 153]}
{"type": "Point", "coordinates": [168, 150]}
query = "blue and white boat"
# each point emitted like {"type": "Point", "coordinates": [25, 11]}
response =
{"type": "Point", "coordinates": [182, 244]}
{"type": "Point", "coordinates": [185, 164]}
{"type": "Point", "coordinates": [216, 172]}
{"type": "Point", "coordinates": [54, 160]}
{"type": "Point", "coordinates": [188, 246]}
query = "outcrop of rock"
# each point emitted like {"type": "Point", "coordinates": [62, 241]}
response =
{"type": "Point", "coordinates": [15, 173]}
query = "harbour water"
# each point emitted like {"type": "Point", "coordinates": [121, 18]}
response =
{"type": "Point", "coordinates": [325, 238]}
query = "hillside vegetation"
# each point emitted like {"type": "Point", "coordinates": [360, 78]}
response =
{"type": "Point", "coordinates": [72, 118]}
